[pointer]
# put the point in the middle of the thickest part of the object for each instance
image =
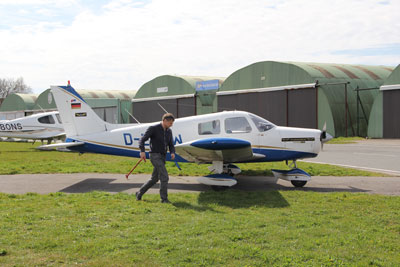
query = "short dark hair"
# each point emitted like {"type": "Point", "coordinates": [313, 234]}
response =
{"type": "Point", "coordinates": [168, 117]}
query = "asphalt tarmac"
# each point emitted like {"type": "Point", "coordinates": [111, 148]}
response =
{"type": "Point", "coordinates": [114, 183]}
{"type": "Point", "coordinates": [374, 155]}
{"type": "Point", "coordinates": [378, 155]}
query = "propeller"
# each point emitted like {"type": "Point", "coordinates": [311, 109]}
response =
{"type": "Point", "coordinates": [325, 137]}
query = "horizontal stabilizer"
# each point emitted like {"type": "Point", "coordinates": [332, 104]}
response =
{"type": "Point", "coordinates": [60, 145]}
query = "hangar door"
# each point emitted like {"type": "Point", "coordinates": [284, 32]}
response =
{"type": "Point", "coordinates": [269, 105]}
{"type": "Point", "coordinates": [295, 108]}
{"type": "Point", "coordinates": [391, 111]}
{"type": "Point", "coordinates": [108, 114]}
{"type": "Point", "coordinates": [186, 107]}
{"type": "Point", "coordinates": [150, 111]}
{"type": "Point", "coordinates": [302, 108]}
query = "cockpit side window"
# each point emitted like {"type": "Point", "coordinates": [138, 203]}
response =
{"type": "Point", "coordinates": [209, 127]}
{"type": "Point", "coordinates": [237, 125]}
{"type": "Point", "coordinates": [261, 124]}
{"type": "Point", "coordinates": [47, 119]}
{"type": "Point", "coordinates": [58, 118]}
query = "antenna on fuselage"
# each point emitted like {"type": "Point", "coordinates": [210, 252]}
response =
{"type": "Point", "coordinates": [162, 107]}
{"type": "Point", "coordinates": [132, 116]}
{"type": "Point", "coordinates": [41, 108]}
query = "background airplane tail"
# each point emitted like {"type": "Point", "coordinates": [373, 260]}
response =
{"type": "Point", "coordinates": [78, 118]}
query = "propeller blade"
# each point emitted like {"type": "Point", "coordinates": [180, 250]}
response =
{"type": "Point", "coordinates": [325, 137]}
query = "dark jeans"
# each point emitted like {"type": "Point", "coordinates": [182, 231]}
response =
{"type": "Point", "coordinates": [159, 173]}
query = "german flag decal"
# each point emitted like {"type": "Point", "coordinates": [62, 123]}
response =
{"type": "Point", "coordinates": [75, 105]}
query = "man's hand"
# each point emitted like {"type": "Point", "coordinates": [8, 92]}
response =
{"type": "Point", "coordinates": [143, 156]}
{"type": "Point", "coordinates": [172, 156]}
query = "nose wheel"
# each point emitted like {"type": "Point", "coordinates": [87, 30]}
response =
{"type": "Point", "coordinates": [298, 183]}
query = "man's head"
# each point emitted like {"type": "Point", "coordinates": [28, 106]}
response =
{"type": "Point", "coordinates": [167, 120]}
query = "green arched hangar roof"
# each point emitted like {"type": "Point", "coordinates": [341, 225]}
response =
{"type": "Point", "coordinates": [171, 85]}
{"type": "Point", "coordinates": [331, 98]}
{"type": "Point", "coordinates": [18, 102]}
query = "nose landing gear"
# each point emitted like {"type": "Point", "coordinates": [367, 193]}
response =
{"type": "Point", "coordinates": [296, 176]}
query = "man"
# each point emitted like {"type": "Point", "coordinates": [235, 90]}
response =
{"type": "Point", "coordinates": [160, 140]}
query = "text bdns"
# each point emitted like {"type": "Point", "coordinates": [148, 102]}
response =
{"type": "Point", "coordinates": [10, 126]}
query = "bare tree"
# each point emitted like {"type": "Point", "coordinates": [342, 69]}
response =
{"type": "Point", "coordinates": [9, 86]}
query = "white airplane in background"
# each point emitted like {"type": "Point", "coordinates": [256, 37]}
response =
{"type": "Point", "coordinates": [41, 126]}
{"type": "Point", "coordinates": [219, 139]}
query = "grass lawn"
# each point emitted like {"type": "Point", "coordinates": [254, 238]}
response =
{"type": "Point", "coordinates": [345, 140]}
{"type": "Point", "coordinates": [231, 228]}
{"type": "Point", "coordinates": [22, 158]}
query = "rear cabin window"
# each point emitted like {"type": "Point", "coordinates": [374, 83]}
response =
{"type": "Point", "coordinates": [209, 127]}
{"type": "Point", "coordinates": [47, 120]}
{"type": "Point", "coordinates": [237, 125]}
{"type": "Point", "coordinates": [59, 118]}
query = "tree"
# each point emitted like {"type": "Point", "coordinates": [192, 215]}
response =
{"type": "Point", "coordinates": [10, 86]}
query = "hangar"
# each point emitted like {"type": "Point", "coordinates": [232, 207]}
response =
{"type": "Point", "coordinates": [175, 94]}
{"type": "Point", "coordinates": [384, 118]}
{"type": "Point", "coordinates": [111, 106]}
{"type": "Point", "coordinates": [17, 106]}
{"type": "Point", "coordinates": [303, 94]}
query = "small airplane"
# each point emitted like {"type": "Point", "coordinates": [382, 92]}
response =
{"type": "Point", "coordinates": [220, 139]}
{"type": "Point", "coordinates": [41, 126]}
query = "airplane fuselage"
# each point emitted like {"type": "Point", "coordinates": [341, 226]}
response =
{"type": "Point", "coordinates": [38, 126]}
{"type": "Point", "coordinates": [273, 142]}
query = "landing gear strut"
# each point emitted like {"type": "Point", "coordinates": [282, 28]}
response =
{"type": "Point", "coordinates": [222, 178]}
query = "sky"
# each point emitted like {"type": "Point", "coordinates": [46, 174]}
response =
{"type": "Point", "coordinates": [122, 44]}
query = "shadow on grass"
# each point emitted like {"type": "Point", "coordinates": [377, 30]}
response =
{"type": "Point", "coordinates": [242, 199]}
{"type": "Point", "coordinates": [107, 185]}
{"type": "Point", "coordinates": [188, 206]}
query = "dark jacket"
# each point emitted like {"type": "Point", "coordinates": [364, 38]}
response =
{"type": "Point", "coordinates": [160, 140]}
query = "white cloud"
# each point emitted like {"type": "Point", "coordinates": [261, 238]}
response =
{"type": "Point", "coordinates": [131, 42]}
{"type": "Point", "coordinates": [54, 3]}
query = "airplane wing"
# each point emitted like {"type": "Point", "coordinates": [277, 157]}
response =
{"type": "Point", "coordinates": [60, 145]}
{"type": "Point", "coordinates": [59, 135]}
{"type": "Point", "coordinates": [217, 149]}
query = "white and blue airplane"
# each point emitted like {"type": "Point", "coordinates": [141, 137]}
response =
{"type": "Point", "coordinates": [220, 139]}
{"type": "Point", "coordinates": [41, 126]}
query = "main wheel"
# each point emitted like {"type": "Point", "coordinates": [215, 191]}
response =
{"type": "Point", "coordinates": [298, 183]}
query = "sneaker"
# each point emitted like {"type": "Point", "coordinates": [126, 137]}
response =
{"type": "Point", "coordinates": [138, 196]}
{"type": "Point", "coordinates": [165, 201]}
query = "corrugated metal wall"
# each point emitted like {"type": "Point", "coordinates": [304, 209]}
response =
{"type": "Point", "coordinates": [391, 111]}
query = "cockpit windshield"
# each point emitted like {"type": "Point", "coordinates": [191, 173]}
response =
{"type": "Point", "coordinates": [262, 124]}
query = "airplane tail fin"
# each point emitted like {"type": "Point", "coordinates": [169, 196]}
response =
{"type": "Point", "coordinates": [78, 118]}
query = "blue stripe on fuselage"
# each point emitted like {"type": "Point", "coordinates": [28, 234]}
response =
{"type": "Point", "coordinates": [101, 149]}
{"type": "Point", "coordinates": [270, 154]}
